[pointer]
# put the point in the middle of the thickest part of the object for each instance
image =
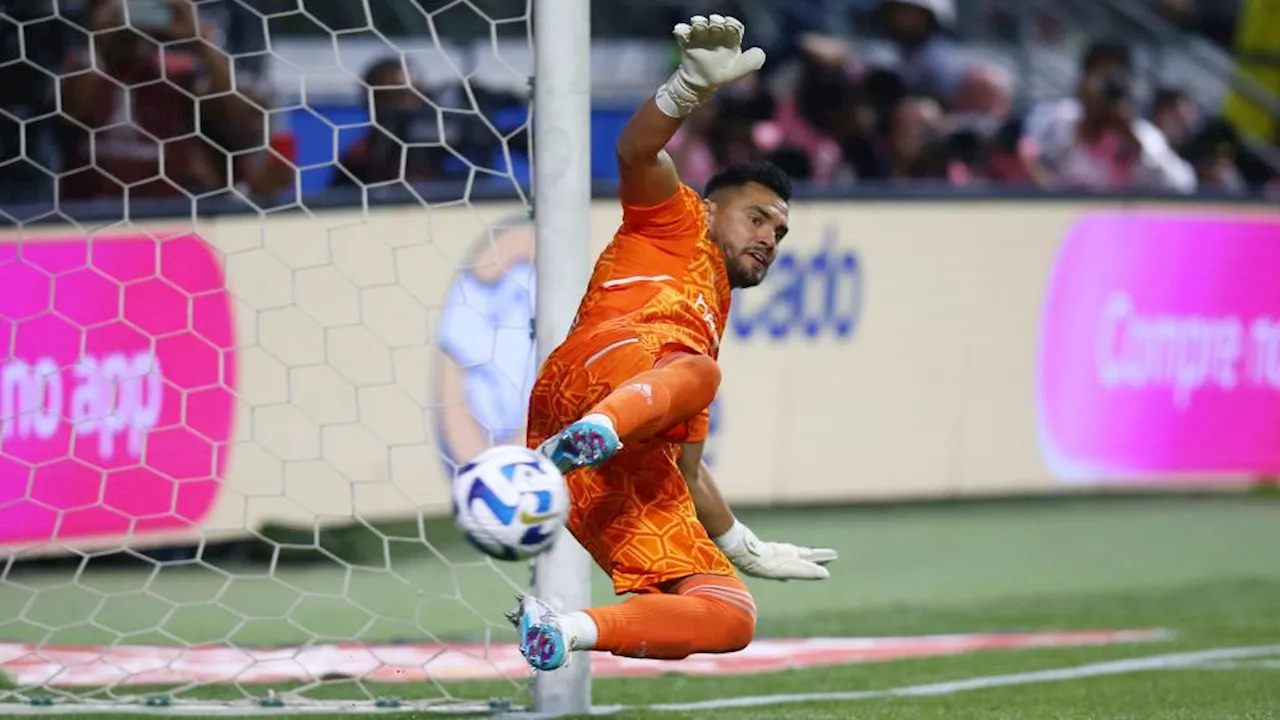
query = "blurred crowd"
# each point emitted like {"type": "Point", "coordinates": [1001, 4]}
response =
{"type": "Point", "coordinates": [175, 103]}
{"type": "Point", "coordinates": [830, 115]}
{"type": "Point", "coordinates": [158, 99]}
{"type": "Point", "coordinates": [414, 142]}
{"type": "Point", "coordinates": [155, 104]}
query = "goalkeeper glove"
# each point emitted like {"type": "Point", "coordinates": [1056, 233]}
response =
{"type": "Point", "coordinates": [775, 561]}
{"type": "Point", "coordinates": [711, 56]}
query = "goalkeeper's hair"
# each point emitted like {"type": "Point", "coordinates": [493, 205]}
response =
{"type": "Point", "coordinates": [760, 172]}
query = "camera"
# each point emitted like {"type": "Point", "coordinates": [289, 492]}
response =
{"type": "Point", "coordinates": [412, 143]}
{"type": "Point", "coordinates": [1116, 88]}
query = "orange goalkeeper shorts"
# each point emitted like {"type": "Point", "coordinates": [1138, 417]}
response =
{"type": "Point", "coordinates": [634, 513]}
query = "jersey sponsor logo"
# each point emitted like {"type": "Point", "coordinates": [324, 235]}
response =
{"type": "Point", "coordinates": [704, 309]}
{"type": "Point", "coordinates": [809, 293]}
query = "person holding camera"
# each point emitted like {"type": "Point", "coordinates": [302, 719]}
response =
{"type": "Point", "coordinates": [1097, 141]}
{"type": "Point", "coordinates": [153, 109]}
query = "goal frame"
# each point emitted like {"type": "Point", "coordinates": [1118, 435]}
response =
{"type": "Point", "coordinates": [562, 260]}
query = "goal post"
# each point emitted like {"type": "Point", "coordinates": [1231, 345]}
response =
{"type": "Point", "coordinates": [562, 215]}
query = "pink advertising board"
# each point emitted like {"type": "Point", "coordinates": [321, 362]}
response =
{"type": "Point", "coordinates": [1159, 352]}
{"type": "Point", "coordinates": [117, 379]}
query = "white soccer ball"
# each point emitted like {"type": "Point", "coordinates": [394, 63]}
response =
{"type": "Point", "coordinates": [510, 502]}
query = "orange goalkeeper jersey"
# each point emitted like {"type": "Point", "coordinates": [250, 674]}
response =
{"type": "Point", "coordinates": [660, 276]}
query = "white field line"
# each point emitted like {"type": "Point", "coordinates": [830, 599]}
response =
{"type": "Point", "coordinates": [1264, 664]}
{"type": "Point", "coordinates": [1167, 661]}
{"type": "Point", "coordinates": [1079, 672]}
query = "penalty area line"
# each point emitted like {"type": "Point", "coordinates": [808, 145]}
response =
{"type": "Point", "coordinates": [1079, 672]}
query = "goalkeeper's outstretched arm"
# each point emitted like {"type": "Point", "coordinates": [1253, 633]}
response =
{"type": "Point", "coordinates": [710, 56]}
{"type": "Point", "coordinates": [773, 560]}
{"type": "Point", "coordinates": [646, 175]}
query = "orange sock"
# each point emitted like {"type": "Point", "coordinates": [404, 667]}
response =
{"type": "Point", "coordinates": [707, 614]}
{"type": "Point", "coordinates": [661, 398]}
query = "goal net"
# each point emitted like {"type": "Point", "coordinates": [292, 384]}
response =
{"type": "Point", "coordinates": [266, 278]}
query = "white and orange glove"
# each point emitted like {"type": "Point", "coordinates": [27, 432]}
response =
{"type": "Point", "coordinates": [711, 57]}
{"type": "Point", "coordinates": [772, 560]}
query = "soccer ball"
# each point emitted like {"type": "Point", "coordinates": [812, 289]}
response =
{"type": "Point", "coordinates": [510, 502]}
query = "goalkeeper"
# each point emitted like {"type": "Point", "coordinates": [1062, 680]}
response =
{"type": "Point", "coordinates": [622, 405]}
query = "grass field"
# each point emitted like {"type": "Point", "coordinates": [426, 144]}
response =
{"type": "Point", "coordinates": [1206, 569]}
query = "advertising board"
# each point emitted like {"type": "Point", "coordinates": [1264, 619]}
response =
{"type": "Point", "coordinates": [1160, 348]}
{"type": "Point", "coordinates": [117, 377]}
{"type": "Point", "coordinates": [306, 369]}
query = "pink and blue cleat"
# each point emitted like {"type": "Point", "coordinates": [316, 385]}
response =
{"type": "Point", "coordinates": [542, 639]}
{"type": "Point", "coordinates": [584, 443]}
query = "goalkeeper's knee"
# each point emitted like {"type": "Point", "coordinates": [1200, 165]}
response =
{"type": "Point", "coordinates": [734, 630]}
{"type": "Point", "coordinates": [731, 624]}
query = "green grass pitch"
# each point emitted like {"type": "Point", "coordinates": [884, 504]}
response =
{"type": "Point", "coordinates": [1207, 569]}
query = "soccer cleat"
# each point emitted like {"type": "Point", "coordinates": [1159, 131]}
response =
{"type": "Point", "coordinates": [542, 640]}
{"type": "Point", "coordinates": [585, 442]}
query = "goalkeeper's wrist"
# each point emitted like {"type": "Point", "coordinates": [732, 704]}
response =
{"type": "Point", "coordinates": [733, 538]}
{"type": "Point", "coordinates": [676, 98]}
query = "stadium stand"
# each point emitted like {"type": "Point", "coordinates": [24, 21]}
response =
{"type": "Point", "coordinates": [936, 93]}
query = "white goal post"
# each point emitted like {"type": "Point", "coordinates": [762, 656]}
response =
{"type": "Point", "coordinates": [562, 210]}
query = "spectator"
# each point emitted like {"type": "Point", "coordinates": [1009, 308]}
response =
{"type": "Point", "coordinates": [931, 64]}
{"type": "Point", "coordinates": [691, 149]}
{"type": "Point", "coordinates": [1095, 141]}
{"type": "Point", "coordinates": [419, 136]}
{"type": "Point", "coordinates": [984, 98]}
{"type": "Point", "coordinates": [379, 157]}
{"type": "Point", "coordinates": [242, 35]}
{"type": "Point", "coordinates": [32, 49]}
{"type": "Point", "coordinates": [159, 121]}
{"type": "Point", "coordinates": [915, 140]}
{"type": "Point", "coordinates": [735, 126]}
{"type": "Point", "coordinates": [1214, 19]}
{"type": "Point", "coordinates": [808, 119]}
{"type": "Point", "coordinates": [1223, 161]}
{"type": "Point", "coordinates": [1176, 115]}
{"type": "Point", "coordinates": [866, 141]}
{"type": "Point", "coordinates": [238, 30]}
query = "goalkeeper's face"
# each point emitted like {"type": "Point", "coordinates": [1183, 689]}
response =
{"type": "Point", "coordinates": [747, 223]}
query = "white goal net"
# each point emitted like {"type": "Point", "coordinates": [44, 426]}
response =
{"type": "Point", "coordinates": [266, 276]}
